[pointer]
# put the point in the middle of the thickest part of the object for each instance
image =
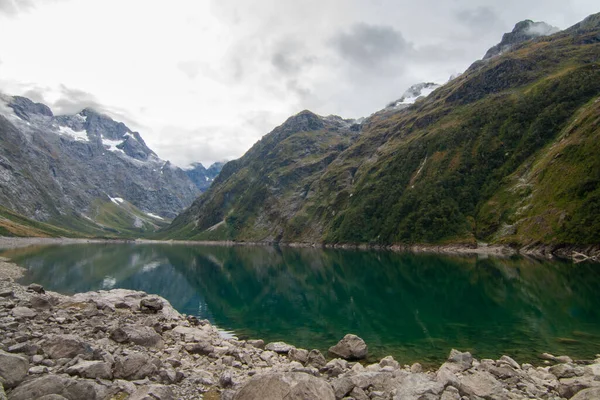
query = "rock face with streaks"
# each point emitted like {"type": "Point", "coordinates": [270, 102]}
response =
{"type": "Point", "coordinates": [73, 170]}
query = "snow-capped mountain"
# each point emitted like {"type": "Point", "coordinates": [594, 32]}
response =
{"type": "Point", "coordinates": [412, 94]}
{"type": "Point", "coordinates": [52, 166]}
{"type": "Point", "coordinates": [201, 176]}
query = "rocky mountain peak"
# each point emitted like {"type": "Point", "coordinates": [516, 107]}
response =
{"type": "Point", "coordinates": [25, 108]}
{"type": "Point", "coordinates": [304, 121]}
{"type": "Point", "coordinates": [412, 94]}
{"type": "Point", "coordinates": [105, 132]}
{"type": "Point", "coordinates": [522, 32]}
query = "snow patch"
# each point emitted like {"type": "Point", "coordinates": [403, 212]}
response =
{"type": "Point", "coordinates": [154, 215]}
{"type": "Point", "coordinates": [111, 145]}
{"type": "Point", "coordinates": [80, 136]}
{"type": "Point", "coordinates": [116, 200]}
{"type": "Point", "coordinates": [412, 97]}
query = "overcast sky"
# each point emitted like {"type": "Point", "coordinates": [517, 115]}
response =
{"type": "Point", "coordinates": [204, 80]}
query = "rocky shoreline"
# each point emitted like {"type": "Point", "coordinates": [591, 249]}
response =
{"type": "Point", "coordinates": [123, 344]}
{"type": "Point", "coordinates": [589, 253]}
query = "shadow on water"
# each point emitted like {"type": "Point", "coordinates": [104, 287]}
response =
{"type": "Point", "coordinates": [415, 307]}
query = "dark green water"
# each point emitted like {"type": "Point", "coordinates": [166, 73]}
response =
{"type": "Point", "coordinates": [415, 307]}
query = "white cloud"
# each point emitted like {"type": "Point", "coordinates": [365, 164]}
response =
{"type": "Point", "coordinates": [203, 80]}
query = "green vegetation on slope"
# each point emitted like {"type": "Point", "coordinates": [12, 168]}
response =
{"type": "Point", "coordinates": [505, 153]}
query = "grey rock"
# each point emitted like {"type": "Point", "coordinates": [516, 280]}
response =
{"type": "Point", "coordinates": [23, 312]}
{"type": "Point", "coordinates": [279, 347]}
{"type": "Point", "coordinates": [418, 386]}
{"type": "Point", "coordinates": [66, 346]}
{"type": "Point", "coordinates": [226, 380]}
{"type": "Point", "coordinates": [450, 393]}
{"type": "Point", "coordinates": [300, 355]}
{"type": "Point", "coordinates": [13, 369]}
{"type": "Point", "coordinates": [53, 397]}
{"type": "Point", "coordinates": [568, 387]}
{"type": "Point", "coordinates": [2, 393]}
{"type": "Point", "coordinates": [358, 394]}
{"type": "Point", "coordinates": [562, 371]}
{"type": "Point", "coordinates": [290, 386]}
{"type": "Point", "coordinates": [389, 362]}
{"type": "Point", "coordinates": [151, 305]}
{"type": "Point", "coordinates": [351, 347]}
{"type": "Point", "coordinates": [38, 370]}
{"type": "Point", "coordinates": [6, 293]}
{"type": "Point", "coordinates": [258, 343]}
{"type": "Point", "coordinates": [509, 361]}
{"type": "Point", "coordinates": [46, 385]}
{"type": "Point", "coordinates": [464, 360]}
{"type": "Point", "coordinates": [316, 359]}
{"type": "Point", "coordinates": [588, 394]}
{"type": "Point", "coordinates": [40, 303]}
{"type": "Point", "coordinates": [203, 348]}
{"type": "Point", "coordinates": [138, 334]}
{"type": "Point", "coordinates": [481, 384]}
{"type": "Point", "coordinates": [25, 347]}
{"type": "Point", "coordinates": [341, 387]}
{"type": "Point", "coordinates": [153, 392]}
{"type": "Point", "coordinates": [135, 366]}
{"type": "Point", "coordinates": [564, 359]}
{"type": "Point", "coordinates": [91, 370]}
{"type": "Point", "coordinates": [335, 367]}
{"type": "Point", "coordinates": [34, 287]}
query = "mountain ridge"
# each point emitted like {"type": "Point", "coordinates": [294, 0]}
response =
{"type": "Point", "coordinates": [426, 173]}
{"type": "Point", "coordinates": [67, 170]}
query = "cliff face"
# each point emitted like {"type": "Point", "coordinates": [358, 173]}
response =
{"type": "Point", "coordinates": [84, 171]}
{"type": "Point", "coordinates": [505, 153]}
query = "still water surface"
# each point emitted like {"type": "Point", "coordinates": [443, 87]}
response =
{"type": "Point", "coordinates": [415, 307]}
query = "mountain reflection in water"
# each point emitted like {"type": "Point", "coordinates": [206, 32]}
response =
{"type": "Point", "coordinates": [415, 307]}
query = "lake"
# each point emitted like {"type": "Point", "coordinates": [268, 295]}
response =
{"type": "Point", "coordinates": [415, 307]}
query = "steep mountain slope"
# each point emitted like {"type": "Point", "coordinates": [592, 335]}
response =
{"type": "Point", "coordinates": [255, 196]}
{"type": "Point", "coordinates": [478, 159]}
{"type": "Point", "coordinates": [522, 32]}
{"type": "Point", "coordinates": [84, 172]}
{"type": "Point", "coordinates": [203, 177]}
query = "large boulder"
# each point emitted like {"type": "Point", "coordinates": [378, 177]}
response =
{"type": "Point", "coordinates": [418, 386]}
{"type": "Point", "coordinates": [480, 384]}
{"type": "Point", "coordinates": [23, 312]}
{"type": "Point", "coordinates": [135, 366]}
{"type": "Point", "coordinates": [315, 359]}
{"type": "Point", "coordinates": [588, 394]}
{"type": "Point", "coordinates": [13, 369]}
{"type": "Point", "coordinates": [91, 370]}
{"type": "Point", "coordinates": [351, 347]}
{"type": "Point", "coordinates": [66, 346]}
{"type": "Point", "coordinates": [151, 305]}
{"type": "Point", "coordinates": [137, 334]}
{"type": "Point", "coordinates": [290, 386]}
{"type": "Point", "coordinates": [47, 385]}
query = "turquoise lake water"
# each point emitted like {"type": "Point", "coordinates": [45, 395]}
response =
{"type": "Point", "coordinates": [414, 307]}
